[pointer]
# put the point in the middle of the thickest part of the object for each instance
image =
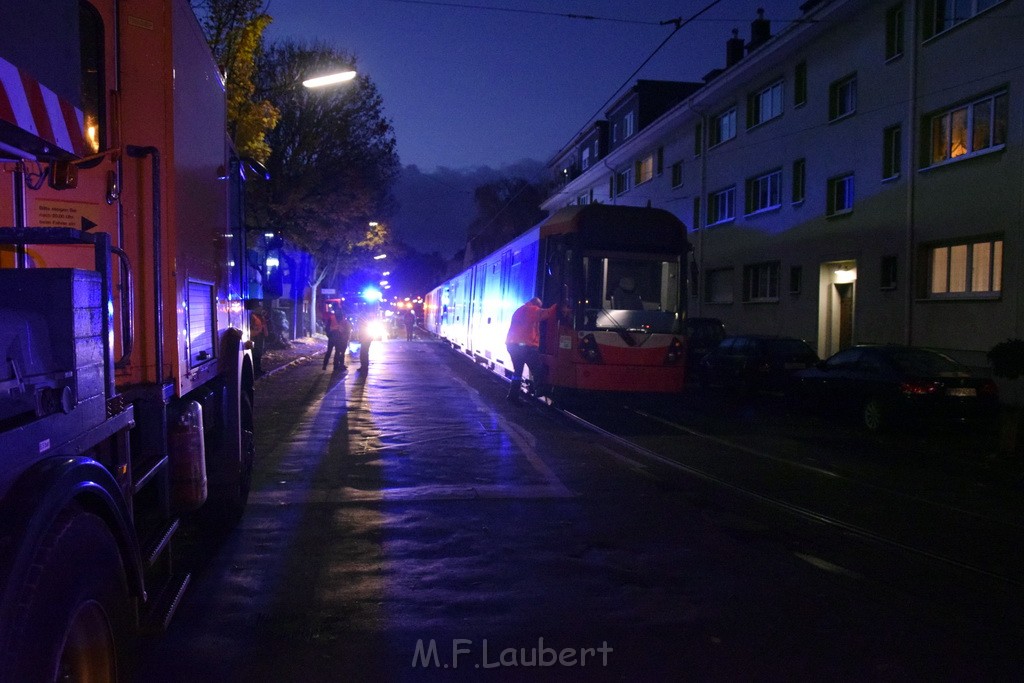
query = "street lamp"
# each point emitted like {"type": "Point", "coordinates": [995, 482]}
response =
{"type": "Point", "coordinates": [329, 79]}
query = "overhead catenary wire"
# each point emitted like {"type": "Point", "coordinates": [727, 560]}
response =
{"type": "Point", "coordinates": [679, 23]}
{"type": "Point", "coordinates": [516, 10]}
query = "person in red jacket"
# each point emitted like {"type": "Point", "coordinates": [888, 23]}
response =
{"type": "Point", "coordinates": [523, 342]}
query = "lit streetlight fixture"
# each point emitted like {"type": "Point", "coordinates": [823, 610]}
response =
{"type": "Point", "coordinates": [378, 257]}
{"type": "Point", "coordinates": [329, 79]}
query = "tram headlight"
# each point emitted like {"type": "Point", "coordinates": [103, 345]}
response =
{"type": "Point", "coordinates": [676, 352]}
{"type": "Point", "coordinates": [588, 349]}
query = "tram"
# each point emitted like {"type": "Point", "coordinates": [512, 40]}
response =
{"type": "Point", "coordinates": [617, 273]}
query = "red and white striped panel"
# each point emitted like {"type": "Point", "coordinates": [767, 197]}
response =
{"type": "Point", "coordinates": [34, 108]}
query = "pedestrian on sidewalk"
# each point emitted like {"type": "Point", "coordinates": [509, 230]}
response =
{"type": "Point", "coordinates": [338, 330]}
{"type": "Point", "coordinates": [523, 343]}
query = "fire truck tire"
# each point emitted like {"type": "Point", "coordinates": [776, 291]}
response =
{"type": "Point", "coordinates": [74, 620]}
{"type": "Point", "coordinates": [226, 510]}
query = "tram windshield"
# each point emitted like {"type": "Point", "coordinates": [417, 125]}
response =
{"type": "Point", "coordinates": [631, 292]}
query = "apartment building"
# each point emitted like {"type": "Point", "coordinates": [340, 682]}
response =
{"type": "Point", "coordinates": [855, 176]}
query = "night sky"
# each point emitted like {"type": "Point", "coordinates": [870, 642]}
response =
{"type": "Point", "coordinates": [471, 84]}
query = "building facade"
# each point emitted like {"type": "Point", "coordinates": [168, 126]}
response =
{"type": "Point", "coordinates": [854, 178]}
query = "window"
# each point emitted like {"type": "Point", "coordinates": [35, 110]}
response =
{"type": "Point", "coordinates": [764, 192]}
{"type": "Point", "coordinates": [942, 15]}
{"type": "Point", "coordinates": [894, 32]}
{"type": "Point", "coordinates": [585, 158]}
{"type": "Point", "coordinates": [92, 88]}
{"type": "Point", "coordinates": [718, 286]}
{"type": "Point", "coordinates": [796, 278]}
{"type": "Point", "coordinates": [800, 84]}
{"type": "Point", "coordinates": [761, 282]}
{"type": "Point", "coordinates": [889, 272]}
{"type": "Point", "coordinates": [722, 206]}
{"type": "Point", "coordinates": [698, 139]}
{"type": "Point", "coordinates": [628, 124]}
{"type": "Point", "coordinates": [644, 169]}
{"type": "Point", "coordinates": [840, 195]}
{"type": "Point", "coordinates": [966, 269]}
{"type": "Point", "coordinates": [799, 181]}
{"type": "Point", "coordinates": [842, 98]}
{"type": "Point", "coordinates": [968, 129]}
{"type": "Point", "coordinates": [892, 152]}
{"type": "Point", "coordinates": [585, 198]}
{"type": "Point", "coordinates": [723, 127]}
{"type": "Point", "coordinates": [623, 181]}
{"type": "Point", "coordinates": [764, 105]}
{"type": "Point", "coordinates": [677, 174]}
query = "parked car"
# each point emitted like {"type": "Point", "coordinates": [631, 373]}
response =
{"type": "Point", "coordinates": [702, 336]}
{"type": "Point", "coordinates": [889, 386]}
{"type": "Point", "coordinates": [755, 362]}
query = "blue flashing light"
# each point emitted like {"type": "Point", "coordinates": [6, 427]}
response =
{"type": "Point", "coordinates": [371, 295]}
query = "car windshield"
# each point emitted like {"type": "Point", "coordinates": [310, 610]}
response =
{"type": "Point", "coordinates": [922, 363]}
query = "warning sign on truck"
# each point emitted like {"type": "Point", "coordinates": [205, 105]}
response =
{"type": "Point", "coordinates": [56, 213]}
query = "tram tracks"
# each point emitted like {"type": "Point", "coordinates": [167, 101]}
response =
{"type": "Point", "coordinates": [904, 522]}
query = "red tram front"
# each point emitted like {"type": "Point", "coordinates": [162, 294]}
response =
{"type": "Point", "coordinates": [617, 273]}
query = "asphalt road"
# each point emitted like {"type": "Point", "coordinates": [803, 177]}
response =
{"type": "Point", "coordinates": [409, 524]}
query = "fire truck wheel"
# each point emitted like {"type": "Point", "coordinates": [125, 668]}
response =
{"type": "Point", "coordinates": [74, 620]}
{"type": "Point", "coordinates": [226, 509]}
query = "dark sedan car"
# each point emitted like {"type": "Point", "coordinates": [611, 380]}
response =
{"type": "Point", "coordinates": [755, 362]}
{"type": "Point", "coordinates": [702, 336]}
{"type": "Point", "coordinates": [886, 386]}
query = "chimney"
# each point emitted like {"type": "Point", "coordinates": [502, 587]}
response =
{"type": "Point", "coordinates": [733, 49]}
{"type": "Point", "coordinates": [760, 31]}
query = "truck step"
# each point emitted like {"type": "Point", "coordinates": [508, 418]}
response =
{"type": "Point", "coordinates": [160, 611]}
{"type": "Point", "coordinates": [160, 542]}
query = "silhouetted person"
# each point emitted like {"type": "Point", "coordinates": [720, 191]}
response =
{"type": "Point", "coordinates": [625, 296]}
{"type": "Point", "coordinates": [259, 332]}
{"type": "Point", "coordinates": [410, 324]}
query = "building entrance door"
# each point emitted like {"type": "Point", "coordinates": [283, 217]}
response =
{"type": "Point", "coordinates": [837, 294]}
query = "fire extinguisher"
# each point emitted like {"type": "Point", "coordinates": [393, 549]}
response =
{"type": "Point", "coordinates": [188, 459]}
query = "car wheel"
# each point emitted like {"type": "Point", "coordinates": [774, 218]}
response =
{"type": "Point", "coordinates": [873, 415]}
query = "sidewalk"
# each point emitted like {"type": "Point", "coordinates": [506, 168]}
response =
{"type": "Point", "coordinates": [297, 351]}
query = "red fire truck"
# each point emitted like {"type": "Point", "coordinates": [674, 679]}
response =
{"type": "Point", "coordinates": [126, 381]}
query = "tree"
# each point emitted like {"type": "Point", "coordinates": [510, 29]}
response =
{"type": "Point", "coordinates": [234, 30]}
{"type": "Point", "coordinates": [332, 164]}
{"type": "Point", "coordinates": [505, 209]}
